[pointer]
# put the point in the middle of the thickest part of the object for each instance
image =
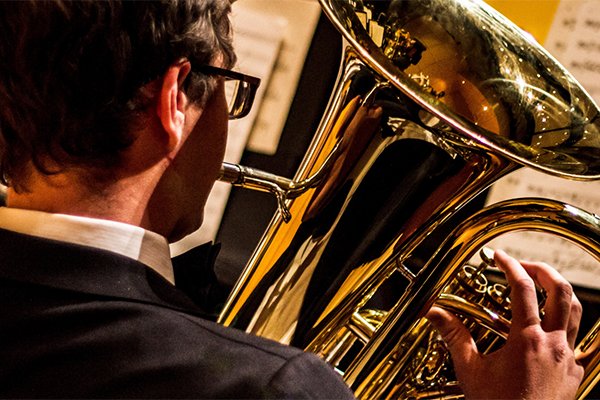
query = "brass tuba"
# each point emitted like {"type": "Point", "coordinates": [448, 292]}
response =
{"type": "Point", "coordinates": [435, 100]}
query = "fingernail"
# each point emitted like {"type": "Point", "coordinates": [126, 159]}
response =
{"type": "Point", "coordinates": [434, 318]}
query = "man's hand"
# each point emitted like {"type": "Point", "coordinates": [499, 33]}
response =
{"type": "Point", "coordinates": [537, 361]}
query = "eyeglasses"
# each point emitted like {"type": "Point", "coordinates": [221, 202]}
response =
{"type": "Point", "coordinates": [240, 89]}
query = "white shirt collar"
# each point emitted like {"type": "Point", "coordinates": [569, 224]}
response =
{"type": "Point", "coordinates": [130, 241]}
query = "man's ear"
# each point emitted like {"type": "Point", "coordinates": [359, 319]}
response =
{"type": "Point", "coordinates": [172, 102]}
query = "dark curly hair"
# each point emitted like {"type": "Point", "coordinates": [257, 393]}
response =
{"type": "Point", "coordinates": [70, 73]}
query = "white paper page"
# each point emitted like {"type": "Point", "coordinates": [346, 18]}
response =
{"type": "Point", "coordinates": [574, 39]}
{"type": "Point", "coordinates": [561, 30]}
{"type": "Point", "coordinates": [302, 17]}
{"type": "Point", "coordinates": [575, 264]}
{"type": "Point", "coordinates": [257, 41]}
{"type": "Point", "coordinates": [582, 51]}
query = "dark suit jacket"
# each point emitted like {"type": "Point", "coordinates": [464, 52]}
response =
{"type": "Point", "coordinates": [81, 322]}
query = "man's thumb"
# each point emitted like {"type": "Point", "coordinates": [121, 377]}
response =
{"type": "Point", "coordinates": [458, 339]}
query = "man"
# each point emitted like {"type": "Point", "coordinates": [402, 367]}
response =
{"type": "Point", "coordinates": [113, 122]}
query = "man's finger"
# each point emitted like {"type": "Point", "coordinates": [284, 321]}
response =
{"type": "Point", "coordinates": [574, 321]}
{"type": "Point", "coordinates": [458, 339]}
{"type": "Point", "coordinates": [525, 310]}
{"type": "Point", "coordinates": [560, 299]}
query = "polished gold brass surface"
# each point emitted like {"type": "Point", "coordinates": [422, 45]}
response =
{"type": "Point", "coordinates": [588, 355]}
{"type": "Point", "coordinates": [435, 101]}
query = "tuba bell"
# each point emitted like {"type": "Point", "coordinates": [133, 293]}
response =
{"type": "Point", "coordinates": [435, 101]}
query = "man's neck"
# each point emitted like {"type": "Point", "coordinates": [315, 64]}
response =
{"type": "Point", "coordinates": [124, 200]}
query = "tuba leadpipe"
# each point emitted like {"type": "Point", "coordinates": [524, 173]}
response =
{"type": "Point", "coordinates": [435, 101]}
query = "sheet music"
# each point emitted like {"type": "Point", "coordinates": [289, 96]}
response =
{"type": "Point", "coordinates": [578, 47]}
{"type": "Point", "coordinates": [575, 264]}
{"type": "Point", "coordinates": [574, 39]}
{"type": "Point", "coordinates": [561, 30]}
{"type": "Point", "coordinates": [257, 40]}
{"type": "Point", "coordinates": [302, 17]}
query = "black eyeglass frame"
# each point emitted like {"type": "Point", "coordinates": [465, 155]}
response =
{"type": "Point", "coordinates": [244, 97]}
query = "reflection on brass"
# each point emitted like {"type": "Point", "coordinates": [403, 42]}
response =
{"type": "Point", "coordinates": [399, 47]}
{"type": "Point", "coordinates": [424, 82]}
{"type": "Point", "coordinates": [435, 101]}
